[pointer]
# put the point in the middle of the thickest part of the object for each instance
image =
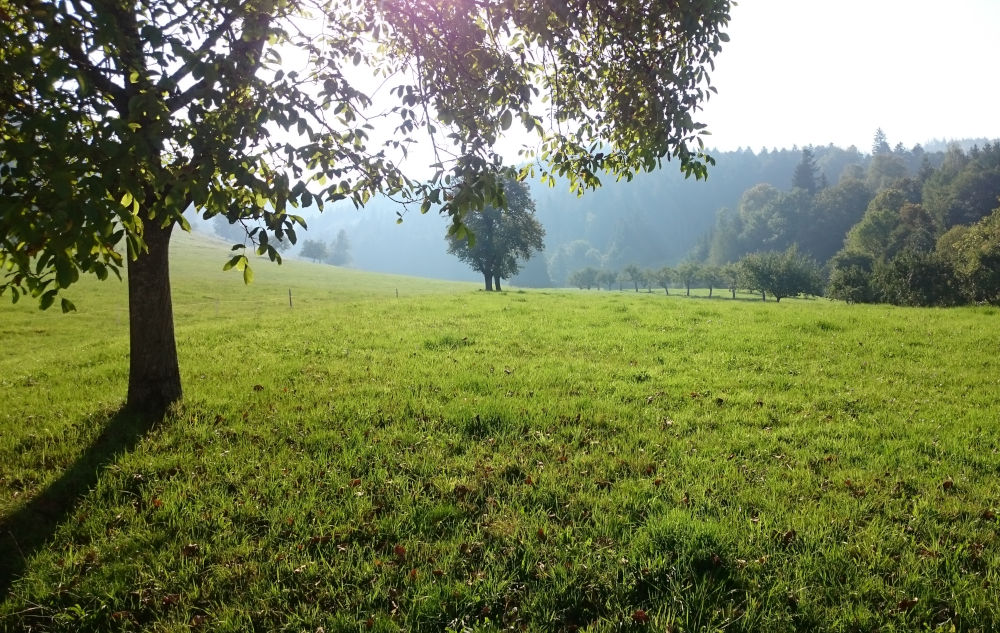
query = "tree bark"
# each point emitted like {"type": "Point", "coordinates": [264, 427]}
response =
{"type": "Point", "coordinates": [154, 379]}
{"type": "Point", "coordinates": [496, 283]}
{"type": "Point", "coordinates": [489, 282]}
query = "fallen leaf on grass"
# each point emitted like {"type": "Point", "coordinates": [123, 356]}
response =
{"type": "Point", "coordinates": [907, 603]}
{"type": "Point", "coordinates": [171, 599]}
{"type": "Point", "coordinates": [640, 616]}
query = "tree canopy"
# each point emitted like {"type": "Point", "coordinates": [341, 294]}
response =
{"type": "Point", "coordinates": [117, 119]}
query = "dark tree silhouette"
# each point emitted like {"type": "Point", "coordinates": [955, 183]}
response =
{"type": "Point", "coordinates": [494, 241]}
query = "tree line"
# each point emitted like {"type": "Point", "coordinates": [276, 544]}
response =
{"type": "Point", "coordinates": [778, 274]}
{"type": "Point", "coordinates": [914, 228]}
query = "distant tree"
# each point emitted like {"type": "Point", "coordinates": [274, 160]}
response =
{"type": "Point", "coordinates": [649, 276]}
{"type": "Point", "coordinates": [339, 253]}
{"type": "Point", "coordinates": [712, 277]}
{"type": "Point", "coordinates": [688, 273]}
{"type": "Point", "coordinates": [917, 278]}
{"type": "Point", "coordinates": [633, 274]}
{"type": "Point", "coordinates": [834, 211]}
{"type": "Point", "coordinates": [886, 170]}
{"type": "Point", "coordinates": [732, 275]}
{"type": "Point", "coordinates": [314, 250]}
{"type": "Point", "coordinates": [724, 241]}
{"type": "Point", "coordinates": [607, 278]}
{"type": "Point", "coordinates": [880, 143]}
{"type": "Point", "coordinates": [805, 176]}
{"type": "Point", "coordinates": [496, 240]}
{"type": "Point", "coordinates": [782, 275]}
{"type": "Point", "coordinates": [872, 233]}
{"type": "Point", "coordinates": [664, 277]}
{"type": "Point", "coordinates": [851, 277]}
{"type": "Point", "coordinates": [974, 254]}
{"type": "Point", "coordinates": [586, 278]}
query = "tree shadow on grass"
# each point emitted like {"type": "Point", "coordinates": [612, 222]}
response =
{"type": "Point", "coordinates": [33, 525]}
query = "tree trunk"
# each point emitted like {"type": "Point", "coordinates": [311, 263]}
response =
{"type": "Point", "coordinates": [733, 290]}
{"type": "Point", "coordinates": [687, 290]}
{"type": "Point", "coordinates": [496, 283]}
{"type": "Point", "coordinates": [489, 282]}
{"type": "Point", "coordinates": [763, 296]}
{"type": "Point", "coordinates": [710, 292]}
{"type": "Point", "coordinates": [154, 379]}
{"type": "Point", "coordinates": [636, 286]}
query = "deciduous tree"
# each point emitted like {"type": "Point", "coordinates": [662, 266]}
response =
{"type": "Point", "coordinates": [315, 250]}
{"type": "Point", "coordinates": [781, 275]}
{"type": "Point", "coordinates": [633, 274]}
{"type": "Point", "coordinates": [688, 274]}
{"type": "Point", "coordinates": [498, 239]}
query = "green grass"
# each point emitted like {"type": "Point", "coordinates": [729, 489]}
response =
{"type": "Point", "coordinates": [457, 460]}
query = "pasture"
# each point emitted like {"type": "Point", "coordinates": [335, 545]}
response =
{"type": "Point", "coordinates": [450, 459]}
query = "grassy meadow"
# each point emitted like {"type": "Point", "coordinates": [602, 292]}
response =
{"type": "Point", "coordinates": [453, 460]}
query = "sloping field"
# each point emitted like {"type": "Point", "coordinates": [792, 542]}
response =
{"type": "Point", "coordinates": [449, 459]}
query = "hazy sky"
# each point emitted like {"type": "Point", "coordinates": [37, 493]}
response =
{"type": "Point", "coordinates": [820, 71]}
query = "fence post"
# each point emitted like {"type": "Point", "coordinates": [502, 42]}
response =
{"type": "Point", "coordinates": [289, 298]}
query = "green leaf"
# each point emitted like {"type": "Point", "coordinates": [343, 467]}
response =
{"type": "Point", "coordinates": [67, 306]}
{"type": "Point", "coordinates": [47, 299]}
{"type": "Point", "coordinates": [505, 119]}
{"type": "Point", "coordinates": [232, 262]}
{"type": "Point", "coordinates": [247, 275]}
{"type": "Point", "coordinates": [126, 199]}
{"type": "Point", "coordinates": [133, 77]}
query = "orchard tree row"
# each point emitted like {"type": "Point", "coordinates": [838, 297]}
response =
{"type": "Point", "coordinates": [778, 274]}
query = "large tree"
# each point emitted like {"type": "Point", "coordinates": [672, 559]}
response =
{"type": "Point", "coordinates": [496, 239]}
{"type": "Point", "coordinates": [118, 118]}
